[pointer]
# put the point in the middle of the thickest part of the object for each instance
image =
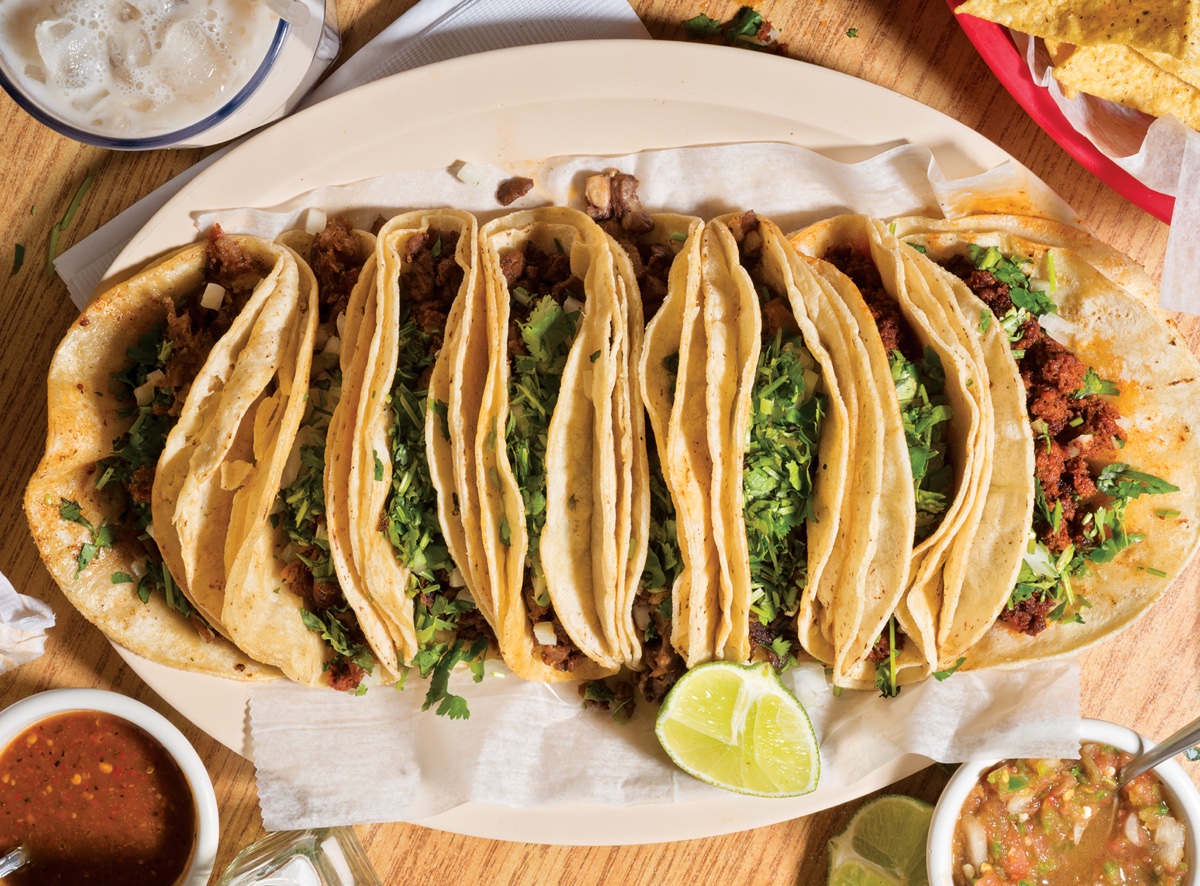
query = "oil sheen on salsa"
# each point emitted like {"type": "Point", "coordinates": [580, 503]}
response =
{"type": "Point", "coordinates": [94, 799]}
{"type": "Point", "coordinates": [1027, 822]}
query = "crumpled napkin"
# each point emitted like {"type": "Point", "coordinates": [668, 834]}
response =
{"type": "Point", "coordinates": [1164, 155]}
{"type": "Point", "coordinates": [24, 622]}
{"type": "Point", "coordinates": [433, 30]}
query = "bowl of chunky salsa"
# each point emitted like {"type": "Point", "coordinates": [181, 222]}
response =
{"type": "Point", "coordinates": [1044, 822]}
{"type": "Point", "coordinates": [97, 787]}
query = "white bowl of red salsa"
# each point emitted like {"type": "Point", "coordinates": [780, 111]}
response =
{"type": "Point", "coordinates": [1026, 821]}
{"type": "Point", "coordinates": [93, 781]}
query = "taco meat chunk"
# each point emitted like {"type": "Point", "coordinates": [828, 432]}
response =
{"type": "Point", "coordinates": [193, 329]}
{"type": "Point", "coordinates": [893, 329]}
{"type": "Point", "coordinates": [613, 202]}
{"type": "Point", "coordinates": [513, 189]}
{"type": "Point", "coordinates": [336, 261]}
{"type": "Point", "coordinates": [431, 280]}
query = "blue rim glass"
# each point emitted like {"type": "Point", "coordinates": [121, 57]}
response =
{"type": "Point", "coordinates": [167, 139]}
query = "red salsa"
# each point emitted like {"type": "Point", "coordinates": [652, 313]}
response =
{"type": "Point", "coordinates": [1050, 822]}
{"type": "Point", "coordinates": [94, 799]}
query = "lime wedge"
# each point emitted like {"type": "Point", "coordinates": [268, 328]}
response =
{"type": "Point", "coordinates": [737, 727]}
{"type": "Point", "coordinates": [884, 844]}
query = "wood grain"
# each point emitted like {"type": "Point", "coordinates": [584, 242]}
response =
{"type": "Point", "coordinates": [1145, 679]}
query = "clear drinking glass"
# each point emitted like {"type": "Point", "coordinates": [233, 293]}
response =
{"type": "Point", "coordinates": [296, 55]}
{"type": "Point", "coordinates": [316, 857]}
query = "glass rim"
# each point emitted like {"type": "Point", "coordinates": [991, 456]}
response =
{"type": "Point", "coordinates": [164, 140]}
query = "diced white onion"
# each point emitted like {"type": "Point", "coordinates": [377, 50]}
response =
{"type": "Point", "coordinates": [155, 376]}
{"type": "Point", "coordinates": [811, 380]}
{"type": "Point", "coordinates": [144, 394]}
{"type": "Point", "coordinates": [544, 632]}
{"type": "Point", "coordinates": [214, 294]}
{"type": "Point", "coordinates": [641, 616]}
{"type": "Point", "coordinates": [976, 840]}
{"type": "Point", "coordinates": [138, 568]}
{"type": "Point", "coordinates": [1020, 803]}
{"type": "Point", "coordinates": [1168, 841]}
{"type": "Point", "coordinates": [341, 323]}
{"type": "Point", "coordinates": [1133, 830]}
{"type": "Point", "coordinates": [1062, 331]}
{"type": "Point", "coordinates": [572, 305]}
{"type": "Point", "coordinates": [523, 296]}
{"type": "Point", "coordinates": [333, 345]}
{"type": "Point", "coordinates": [315, 220]}
{"type": "Point", "coordinates": [470, 174]}
{"type": "Point", "coordinates": [456, 578]}
{"type": "Point", "coordinates": [1078, 833]}
{"type": "Point", "coordinates": [1036, 285]}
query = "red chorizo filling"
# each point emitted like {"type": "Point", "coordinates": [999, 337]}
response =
{"type": "Point", "coordinates": [1081, 493]}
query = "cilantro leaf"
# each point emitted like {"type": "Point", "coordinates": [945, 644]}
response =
{"type": "Point", "coordinates": [701, 27]}
{"type": "Point", "coordinates": [1121, 481]}
{"type": "Point", "coordinates": [945, 675]}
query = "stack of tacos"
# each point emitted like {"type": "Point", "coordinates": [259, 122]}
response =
{"type": "Point", "coordinates": [589, 442]}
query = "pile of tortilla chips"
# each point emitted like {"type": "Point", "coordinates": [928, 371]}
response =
{"type": "Point", "coordinates": [1144, 56]}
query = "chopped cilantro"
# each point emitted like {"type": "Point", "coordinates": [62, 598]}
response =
{"type": "Point", "coordinates": [701, 27]}
{"type": "Point", "coordinates": [533, 391]}
{"type": "Point", "coordinates": [747, 28]}
{"type": "Point", "coordinates": [68, 217]}
{"type": "Point", "coordinates": [920, 388]}
{"type": "Point", "coordinates": [853, 32]}
{"type": "Point", "coordinates": [985, 320]}
{"type": "Point", "coordinates": [1094, 384]}
{"type": "Point", "coordinates": [18, 258]}
{"type": "Point", "coordinates": [783, 436]}
{"type": "Point", "coordinates": [102, 536]}
{"type": "Point", "coordinates": [885, 671]}
{"type": "Point", "coordinates": [122, 578]}
{"type": "Point", "coordinates": [948, 672]}
{"type": "Point", "coordinates": [411, 525]}
{"type": "Point", "coordinates": [1169, 513]}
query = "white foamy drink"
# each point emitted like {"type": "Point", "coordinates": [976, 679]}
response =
{"type": "Point", "coordinates": [134, 68]}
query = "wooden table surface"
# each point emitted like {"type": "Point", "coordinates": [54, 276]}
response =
{"type": "Point", "coordinates": [1145, 679]}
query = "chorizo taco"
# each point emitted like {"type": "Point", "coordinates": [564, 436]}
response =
{"type": "Point", "coordinates": [546, 440]}
{"type": "Point", "coordinates": [410, 494]}
{"type": "Point", "coordinates": [930, 376]}
{"type": "Point", "coordinates": [1109, 397]}
{"type": "Point", "coordinates": [140, 360]}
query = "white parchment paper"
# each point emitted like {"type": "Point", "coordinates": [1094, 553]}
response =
{"type": "Point", "coordinates": [532, 745]}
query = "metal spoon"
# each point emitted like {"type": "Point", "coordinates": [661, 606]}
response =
{"type": "Point", "coordinates": [14, 861]}
{"type": "Point", "coordinates": [1185, 738]}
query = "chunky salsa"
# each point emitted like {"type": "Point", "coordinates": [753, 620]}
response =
{"type": "Point", "coordinates": [1049, 822]}
{"type": "Point", "coordinates": [94, 798]}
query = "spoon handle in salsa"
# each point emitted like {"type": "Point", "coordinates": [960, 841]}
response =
{"type": "Point", "coordinates": [13, 862]}
{"type": "Point", "coordinates": [1186, 737]}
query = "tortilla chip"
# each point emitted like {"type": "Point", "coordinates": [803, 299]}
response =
{"type": "Point", "coordinates": [1167, 26]}
{"type": "Point", "coordinates": [1119, 74]}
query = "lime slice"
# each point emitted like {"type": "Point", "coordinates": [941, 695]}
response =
{"type": "Point", "coordinates": [737, 727]}
{"type": "Point", "coordinates": [883, 844]}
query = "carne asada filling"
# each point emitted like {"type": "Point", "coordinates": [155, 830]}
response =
{"type": "Point", "coordinates": [783, 437]}
{"type": "Point", "coordinates": [614, 204]}
{"type": "Point", "coordinates": [546, 307]}
{"type": "Point", "coordinates": [920, 382]}
{"type": "Point", "coordinates": [1079, 512]}
{"type": "Point", "coordinates": [309, 571]}
{"type": "Point", "coordinates": [165, 361]}
{"type": "Point", "coordinates": [662, 665]}
{"type": "Point", "coordinates": [447, 630]}
{"type": "Point", "coordinates": [336, 260]}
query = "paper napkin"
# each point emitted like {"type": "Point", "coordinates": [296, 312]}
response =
{"type": "Point", "coordinates": [24, 622]}
{"type": "Point", "coordinates": [432, 30]}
